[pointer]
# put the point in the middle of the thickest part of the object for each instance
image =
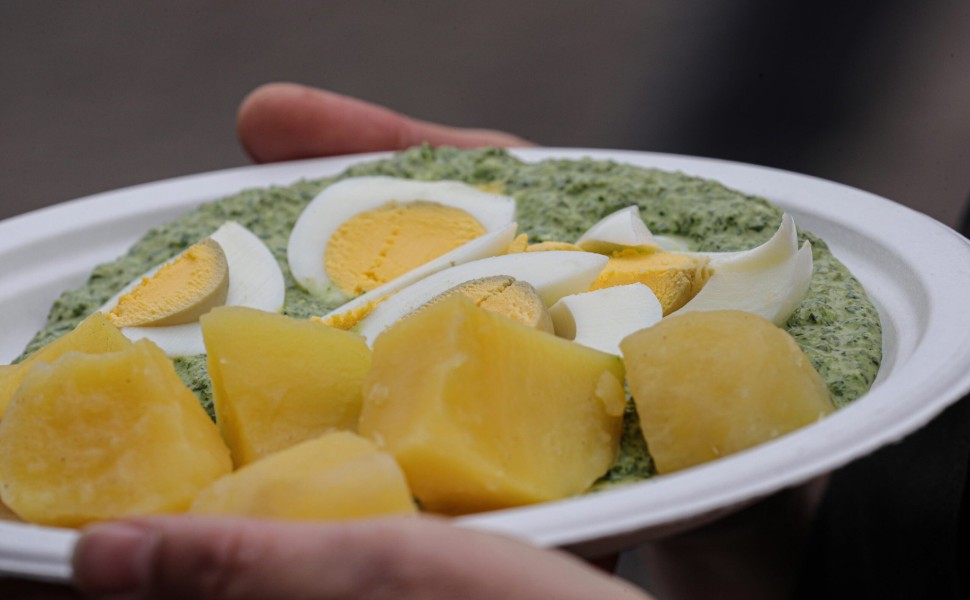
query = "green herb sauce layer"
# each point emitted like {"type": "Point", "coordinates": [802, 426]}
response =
{"type": "Point", "coordinates": [836, 324]}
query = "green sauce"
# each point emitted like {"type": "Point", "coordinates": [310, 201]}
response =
{"type": "Point", "coordinates": [836, 324]}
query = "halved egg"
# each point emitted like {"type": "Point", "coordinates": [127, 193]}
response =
{"type": "Point", "coordinates": [362, 233]}
{"type": "Point", "coordinates": [553, 274]}
{"type": "Point", "coordinates": [232, 267]}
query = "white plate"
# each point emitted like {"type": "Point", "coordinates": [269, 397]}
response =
{"type": "Point", "coordinates": [916, 270]}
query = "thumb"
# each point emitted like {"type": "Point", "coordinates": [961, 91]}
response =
{"type": "Point", "coordinates": [285, 121]}
{"type": "Point", "coordinates": [403, 558]}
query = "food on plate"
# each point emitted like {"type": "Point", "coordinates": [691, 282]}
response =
{"type": "Point", "coordinates": [504, 295]}
{"type": "Point", "coordinates": [338, 475]}
{"type": "Point", "coordinates": [552, 274]}
{"type": "Point", "coordinates": [769, 280]}
{"type": "Point", "coordinates": [601, 318]}
{"type": "Point", "coordinates": [94, 335]}
{"type": "Point", "coordinates": [188, 284]}
{"type": "Point", "coordinates": [489, 413]}
{"type": "Point", "coordinates": [180, 292]}
{"type": "Point", "coordinates": [101, 436]}
{"type": "Point", "coordinates": [622, 230]}
{"type": "Point", "coordinates": [673, 278]}
{"type": "Point", "coordinates": [367, 250]}
{"type": "Point", "coordinates": [372, 230]}
{"type": "Point", "coordinates": [277, 381]}
{"type": "Point", "coordinates": [712, 383]}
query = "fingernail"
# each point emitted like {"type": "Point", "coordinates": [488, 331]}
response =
{"type": "Point", "coordinates": [111, 560]}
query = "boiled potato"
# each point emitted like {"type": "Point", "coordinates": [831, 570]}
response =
{"type": "Point", "coordinates": [92, 437]}
{"type": "Point", "coordinates": [338, 475]}
{"type": "Point", "coordinates": [277, 381]}
{"type": "Point", "coordinates": [708, 384]}
{"type": "Point", "coordinates": [483, 412]}
{"type": "Point", "coordinates": [93, 335]}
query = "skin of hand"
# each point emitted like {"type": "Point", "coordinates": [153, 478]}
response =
{"type": "Point", "coordinates": [394, 558]}
{"type": "Point", "coordinates": [287, 121]}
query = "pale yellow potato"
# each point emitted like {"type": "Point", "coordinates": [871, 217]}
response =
{"type": "Point", "coordinates": [277, 381]}
{"type": "Point", "coordinates": [94, 335]}
{"type": "Point", "coordinates": [338, 475]}
{"type": "Point", "coordinates": [104, 436]}
{"type": "Point", "coordinates": [708, 384]}
{"type": "Point", "coordinates": [483, 412]}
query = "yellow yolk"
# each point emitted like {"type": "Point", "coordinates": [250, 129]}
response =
{"type": "Point", "coordinates": [179, 292]}
{"type": "Point", "coordinates": [346, 320]}
{"type": "Point", "coordinates": [674, 278]}
{"type": "Point", "coordinates": [376, 246]}
{"type": "Point", "coordinates": [552, 245]}
{"type": "Point", "coordinates": [492, 187]}
{"type": "Point", "coordinates": [504, 295]}
{"type": "Point", "coordinates": [519, 244]}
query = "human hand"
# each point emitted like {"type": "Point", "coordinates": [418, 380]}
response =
{"type": "Point", "coordinates": [286, 121]}
{"type": "Point", "coordinates": [400, 558]}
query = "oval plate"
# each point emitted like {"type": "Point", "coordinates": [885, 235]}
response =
{"type": "Point", "coordinates": [916, 270]}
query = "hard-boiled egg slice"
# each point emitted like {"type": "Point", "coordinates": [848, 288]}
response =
{"type": "Point", "coordinates": [254, 280]}
{"type": "Point", "coordinates": [553, 274]}
{"type": "Point", "coordinates": [602, 318]}
{"type": "Point", "coordinates": [769, 280]}
{"type": "Point", "coordinates": [179, 292]}
{"type": "Point", "coordinates": [488, 245]}
{"type": "Point", "coordinates": [621, 230]}
{"type": "Point", "coordinates": [363, 232]}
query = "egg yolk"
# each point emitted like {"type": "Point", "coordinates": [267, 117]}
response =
{"type": "Point", "coordinates": [376, 246]}
{"type": "Point", "coordinates": [504, 295]}
{"type": "Point", "coordinates": [348, 319]}
{"type": "Point", "coordinates": [674, 278]}
{"type": "Point", "coordinates": [549, 246]}
{"type": "Point", "coordinates": [519, 244]}
{"type": "Point", "coordinates": [178, 293]}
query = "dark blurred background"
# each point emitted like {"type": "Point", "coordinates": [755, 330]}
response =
{"type": "Point", "coordinates": [872, 94]}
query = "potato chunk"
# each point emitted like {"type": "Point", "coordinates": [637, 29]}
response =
{"type": "Point", "coordinates": [93, 335]}
{"type": "Point", "coordinates": [338, 475]}
{"type": "Point", "coordinates": [93, 437]}
{"type": "Point", "coordinates": [708, 384]}
{"type": "Point", "coordinates": [483, 412]}
{"type": "Point", "coordinates": [277, 381]}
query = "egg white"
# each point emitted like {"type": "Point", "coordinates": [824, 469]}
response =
{"type": "Point", "coordinates": [255, 281]}
{"type": "Point", "coordinates": [769, 280]}
{"type": "Point", "coordinates": [553, 274]}
{"type": "Point", "coordinates": [621, 229]}
{"type": "Point", "coordinates": [485, 246]}
{"type": "Point", "coordinates": [600, 319]}
{"type": "Point", "coordinates": [343, 200]}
